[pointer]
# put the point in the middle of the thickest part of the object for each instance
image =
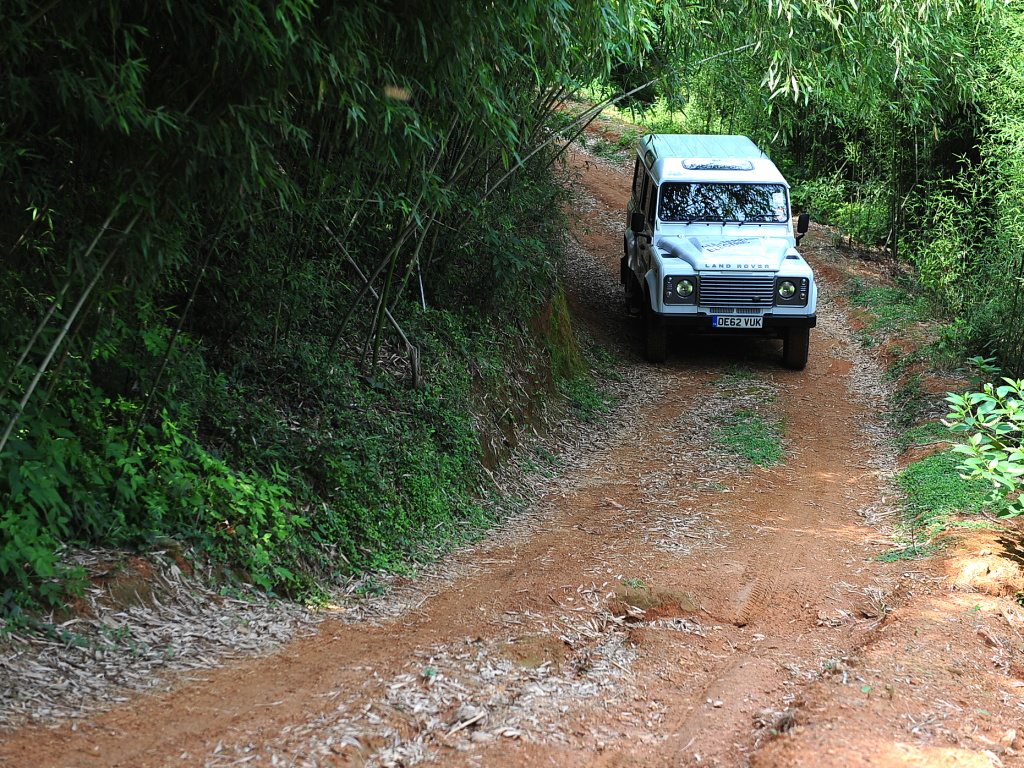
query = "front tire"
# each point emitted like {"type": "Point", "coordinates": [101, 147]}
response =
{"type": "Point", "coordinates": [635, 295]}
{"type": "Point", "coordinates": [796, 347]}
{"type": "Point", "coordinates": [656, 333]}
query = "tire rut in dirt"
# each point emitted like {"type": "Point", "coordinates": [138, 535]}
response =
{"type": "Point", "coordinates": [777, 563]}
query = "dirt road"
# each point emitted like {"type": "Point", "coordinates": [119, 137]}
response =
{"type": "Point", "coordinates": [664, 604]}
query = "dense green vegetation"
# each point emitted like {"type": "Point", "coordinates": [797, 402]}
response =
{"type": "Point", "coordinates": [279, 279]}
{"type": "Point", "coordinates": [267, 268]}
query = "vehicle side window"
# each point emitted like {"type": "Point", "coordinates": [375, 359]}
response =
{"type": "Point", "coordinates": [652, 205]}
{"type": "Point", "coordinates": [643, 202]}
{"type": "Point", "coordinates": [638, 177]}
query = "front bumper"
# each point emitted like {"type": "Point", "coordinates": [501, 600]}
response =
{"type": "Point", "coordinates": [700, 322]}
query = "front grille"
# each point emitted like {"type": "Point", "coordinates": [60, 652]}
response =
{"type": "Point", "coordinates": [735, 310]}
{"type": "Point", "coordinates": [736, 290]}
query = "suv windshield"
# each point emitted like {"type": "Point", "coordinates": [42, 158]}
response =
{"type": "Point", "coordinates": [692, 201]}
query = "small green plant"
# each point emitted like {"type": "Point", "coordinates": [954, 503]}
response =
{"type": "Point", "coordinates": [925, 434]}
{"type": "Point", "coordinates": [628, 139]}
{"type": "Point", "coordinates": [993, 421]}
{"type": "Point", "coordinates": [634, 583]}
{"type": "Point", "coordinates": [587, 401]}
{"type": "Point", "coordinates": [984, 369]}
{"type": "Point", "coordinates": [911, 552]}
{"type": "Point", "coordinates": [865, 338]}
{"type": "Point", "coordinates": [546, 456]}
{"type": "Point", "coordinates": [371, 587]}
{"type": "Point", "coordinates": [899, 367]}
{"type": "Point", "coordinates": [610, 150]}
{"type": "Point", "coordinates": [955, 340]}
{"type": "Point", "coordinates": [116, 634]}
{"type": "Point", "coordinates": [737, 371]}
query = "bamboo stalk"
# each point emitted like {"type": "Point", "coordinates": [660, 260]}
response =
{"type": "Point", "coordinates": [414, 356]}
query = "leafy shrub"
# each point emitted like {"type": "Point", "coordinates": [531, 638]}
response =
{"type": "Point", "coordinates": [859, 211]}
{"type": "Point", "coordinates": [945, 249]}
{"type": "Point", "coordinates": [822, 198]}
{"type": "Point", "coordinates": [992, 419]}
{"type": "Point", "coordinates": [865, 220]}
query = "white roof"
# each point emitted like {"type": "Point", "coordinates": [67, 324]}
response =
{"type": "Point", "coordinates": [693, 157]}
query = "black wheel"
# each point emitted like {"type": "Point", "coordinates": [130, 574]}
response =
{"type": "Point", "coordinates": [635, 295]}
{"type": "Point", "coordinates": [657, 334]}
{"type": "Point", "coordinates": [795, 348]}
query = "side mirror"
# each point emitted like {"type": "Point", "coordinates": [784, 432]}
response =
{"type": "Point", "coordinates": [638, 222]}
{"type": "Point", "coordinates": [802, 224]}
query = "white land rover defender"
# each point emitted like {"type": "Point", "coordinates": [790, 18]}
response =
{"type": "Point", "coordinates": [710, 246]}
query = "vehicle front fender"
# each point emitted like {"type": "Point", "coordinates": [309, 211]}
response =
{"type": "Point", "coordinates": [654, 290]}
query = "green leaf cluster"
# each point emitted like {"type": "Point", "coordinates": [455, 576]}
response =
{"type": "Point", "coordinates": [992, 420]}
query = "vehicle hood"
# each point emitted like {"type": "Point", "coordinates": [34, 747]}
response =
{"type": "Point", "coordinates": [718, 253]}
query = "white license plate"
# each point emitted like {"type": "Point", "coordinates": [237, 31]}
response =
{"type": "Point", "coordinates": [719, 321]}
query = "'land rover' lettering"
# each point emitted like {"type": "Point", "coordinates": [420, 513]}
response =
{"type": "Point", "coordinates": [729, 265]}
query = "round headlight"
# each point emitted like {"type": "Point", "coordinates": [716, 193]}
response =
{"type": "Point", "coordinates": [684, 288]}
{"type": "Point", "coordinates": [787, 289]}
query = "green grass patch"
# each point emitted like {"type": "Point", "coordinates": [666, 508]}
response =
{"type": "Point", "coordinates": [904, 360]}
{"type": "Point", "coordinates": [738, 372]}
{"type": "Point", "coordinates": [583, 388]}
{"type": "Point", "coordinates": [925, 434]}
{"type": "Point", "coordinates": [866, 338]}
{"type": "Point", "coordinates": [618, 150]}
{"type": "Point", "coordinates": [892, 307]}
{"type": "Point", "coordinates": [747, 434]}
{"type": "Point", "coordinates": [935, 494]}
{"type": "Point", "coordinates": [656, 118]}
{"type": "Point", "coordinates": [935, 491]}
{"type": "Point", "coordinates": [746, 427]}
{"type": "Point", "coordinates": [909, 402]}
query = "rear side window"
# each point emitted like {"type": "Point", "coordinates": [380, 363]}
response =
{"type": "Point", "coordinates": [645, 196]}
{"type": "Point", "coordinates": [638, 178]}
